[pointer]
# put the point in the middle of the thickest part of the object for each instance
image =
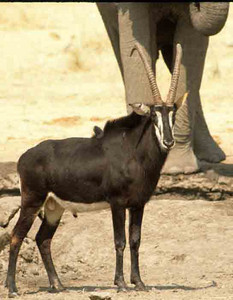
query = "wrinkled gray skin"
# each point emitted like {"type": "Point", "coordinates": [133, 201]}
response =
{"type": "Point", "coordinates": [160, 26]}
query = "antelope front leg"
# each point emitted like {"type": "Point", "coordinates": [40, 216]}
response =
{"type": "Point", "coordinates": [118, 217]}
{"type": "Point", "coordinates": [135, 223]}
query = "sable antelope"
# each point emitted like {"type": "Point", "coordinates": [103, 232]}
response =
{"type": "Point", "coordinates": [118, 168]}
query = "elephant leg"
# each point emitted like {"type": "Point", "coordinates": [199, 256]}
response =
{"type": "Point", "coordinates": [181, 158]}
{"type": "Point", "coordinates": [204, 145]}
{"type": "Point", "coordinates": [135, 26]}
{"type": "Point", "coordinates": [109, 14]}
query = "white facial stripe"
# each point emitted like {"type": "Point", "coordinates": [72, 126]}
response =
{"type": "Point", "coordinates": [170, 117]}
{"type": "Point", "coordinates": [158, 134]}
{"type": "Point", "coordinates": [159, 129]}
{"type": "Point", "coordinates": [160, 121]}
{"type": "Point", "coordinates": [171, 123]}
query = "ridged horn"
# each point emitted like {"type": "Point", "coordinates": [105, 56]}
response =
{"type": "Point", "coordinates": [171, 97]}
{"type": "Point", "coordinates": [150, 75]}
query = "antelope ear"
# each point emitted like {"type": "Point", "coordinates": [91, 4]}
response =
{"type": "Point", "coordinates": [140, 109]}
{"type": "Point", "coordinates": [180, 101]}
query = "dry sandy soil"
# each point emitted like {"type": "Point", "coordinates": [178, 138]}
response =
{"type": "Point", "coordinates": [186, 253]}
{"type": "Point", "coordinates": [58, 78]}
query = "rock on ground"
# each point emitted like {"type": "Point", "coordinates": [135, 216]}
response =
{"type": "Point", "coordinates": [100, 296]}
{"type": "Point", "coordinates": [9, 206]}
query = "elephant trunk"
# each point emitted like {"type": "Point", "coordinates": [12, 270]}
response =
{"type": "Point", "coordinates": [208, 17]}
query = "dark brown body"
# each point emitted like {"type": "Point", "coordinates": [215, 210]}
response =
{"type": "Point", "coordinates": [122, 168]}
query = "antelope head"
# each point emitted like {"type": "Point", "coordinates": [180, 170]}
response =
{"type": "Point", "coordinates": [162, 113]}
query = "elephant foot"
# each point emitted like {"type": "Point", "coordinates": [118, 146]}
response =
{"type": "Point", "coordinates": [204, 145]}
{"type": "Point", "coordinates": [180, 160]}
{"type": "Point", "coordinates": [207, 149]}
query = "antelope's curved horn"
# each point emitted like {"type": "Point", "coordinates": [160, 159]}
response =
{"type": "Point", "coordinates": [150, 74]}
{"type": "Point", "coordinates": [175, 77]}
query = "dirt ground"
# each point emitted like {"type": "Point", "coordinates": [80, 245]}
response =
{"type": "Point", "coordinates": [58, 79]}
{"type": "Point", "coordinates": [186, 253]}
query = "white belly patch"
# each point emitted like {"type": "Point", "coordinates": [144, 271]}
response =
{"type": "Point", "coordinates": [54, 207]}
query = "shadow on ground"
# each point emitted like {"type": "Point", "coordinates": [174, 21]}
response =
{"type": "Point", "coordinates": [88, 288]}
{"type": "Point", "coordinates": [223, 169]}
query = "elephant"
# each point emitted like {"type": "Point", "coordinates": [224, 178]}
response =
{"type": "Point", "coordinates": [159, 27]}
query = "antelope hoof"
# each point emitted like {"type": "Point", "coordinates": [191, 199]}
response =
{"type": "Point", "coordinates": [56, 288]}
{"type": "Point", "coordinates": [13, 291]}
{"type": "Point", "coordinates": [122, 286]}
{"type": "Point", "coordinates": [140, 286]}
{"type": "Point", "coordinates": [13, 294]}
{"type": "Point", "coordinates": [122, 289]}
